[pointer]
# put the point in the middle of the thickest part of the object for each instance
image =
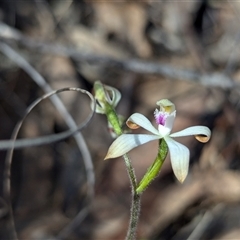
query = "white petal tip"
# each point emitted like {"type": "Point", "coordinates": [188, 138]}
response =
{"type": "Point", "coordinates": [108, 156]}
{"type": "Point", "coordinates": [181, 180]}
{"type": "Point", "coordinates": [181, 176]}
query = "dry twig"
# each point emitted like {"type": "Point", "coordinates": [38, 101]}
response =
{"type": "Point", "coordinates": [14, 56]}
{"type": "Point", "coordinates": [133, 65]}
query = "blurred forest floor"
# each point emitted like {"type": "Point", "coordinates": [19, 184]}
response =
{"type": "Point", "coordinates": [186, 51]}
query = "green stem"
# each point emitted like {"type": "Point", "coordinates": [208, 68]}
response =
{"type": "Point", "coordinates": [155, 168]}
{"type": "Point", "coordinates": [152, 172]}
{"type": "Point", "coordinates": [131, 172]}
{"type": "Point", "coordinates": [135, 212]}
{"type": "Point", "coordinates": [112, 117]}
{"type": "Point", "coordinates": [136, 198]}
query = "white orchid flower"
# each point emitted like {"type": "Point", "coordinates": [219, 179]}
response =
{"type": "Point", "coordinates": [179, 154]}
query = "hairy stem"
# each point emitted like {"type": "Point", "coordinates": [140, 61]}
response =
{"type": "Point", "coordinates": [135, 212]}
{"type": "Point", "coordinates": [135, 207]}
{"type": "Point", "coordinates": [131, 172]}
{"type": "Point", "coordinates": [136, 199]}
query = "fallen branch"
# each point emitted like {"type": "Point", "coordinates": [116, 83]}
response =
{"type": "Point", "coordinates": [132, 65]}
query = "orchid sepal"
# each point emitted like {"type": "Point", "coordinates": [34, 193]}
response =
{"type": "Point", "coordinates": [126, 142]}
{"type": "Point", "coordinates": [137, 120]}
{"type": "Point", "coordinates": [179, 157]}
{"type": "Point", "coordinates": [201, 133]}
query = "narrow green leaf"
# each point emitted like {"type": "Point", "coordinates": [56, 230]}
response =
{"type": "Point", "coordinates": [154, 170]}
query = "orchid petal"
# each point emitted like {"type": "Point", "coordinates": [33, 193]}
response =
{"type": "Point", "coordinates": [179, 155]}
{"type": "Point", "coordinates": [163, 131]}
{"type": "Point", "coordinates": [127, 142]}
{"type": "Point", "coordinates": [138, 119]}
{"type": "Point", "coordinates": [201, 133]}
{"type": "Point", "coordinates": [98, 108]}
{"type": "Point", "coordinates": [170, 120]}
{"type": "Point", "coordinates": [115, 96]}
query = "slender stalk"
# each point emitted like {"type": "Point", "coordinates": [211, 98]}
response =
{"type": "Point", "coordinates": [136, 198]}
{"type": "Point", "coordinates": [134, 217]}
{"type": "Point", "coordinates": [131, 172]}
{"type": "Point", "coordinates": [138, 189]}
{"type": "Point", "coordinates": [135, 207]}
